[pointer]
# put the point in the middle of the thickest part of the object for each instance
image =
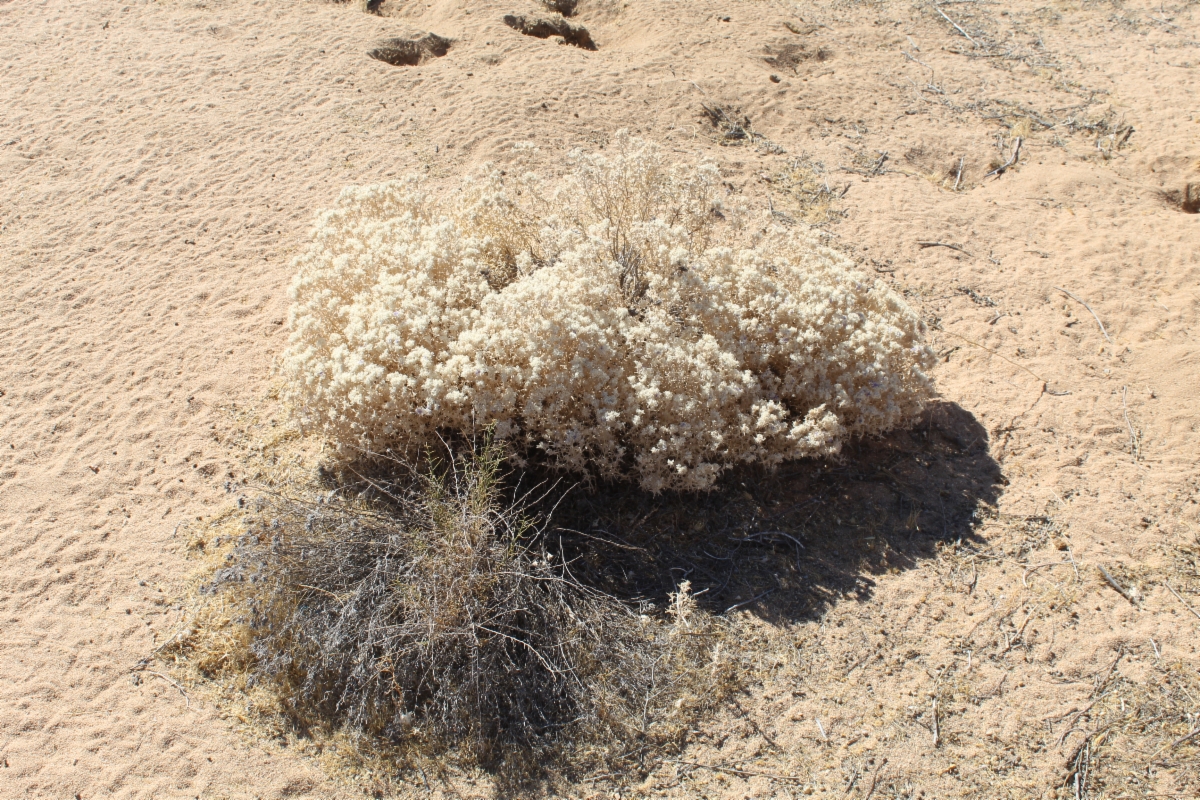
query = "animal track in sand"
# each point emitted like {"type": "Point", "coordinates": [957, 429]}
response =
{"type": "Point", "coordinates": [410, 52]}
{"type": "Point", "coordinates": [545, 27]}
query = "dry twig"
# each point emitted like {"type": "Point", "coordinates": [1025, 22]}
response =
{"type": "Point", "coordinates": [957, 27]}
{"type": "Point", "coordinates": [937, 725]}
{"type": "Point", "coordinates": [754, 599]}
{"type": "Point", "coordinates": [1005, 358]}
{"type": "Point", "coordinates": [1112, 670]}
{"type": "Point", "coordinates": [1185, 738]}
{"type": "Point", "coordinates": [1133, 440]}
{"type": "Point", "coordinates": [1113, 583]}
{"type": "Point", "coordinates": [875, 779]}
{"type": "Point", "coordinates": [911, 57]}
{"type": "Point", "coordinates": [1180, 599]}
{"type": "Point", "coordinates": [1080, 762]}
{"type": "Point", "coordinates": [142, 668]}
{"type": "Point", "coordinates": [732, 771]}
{"type": "Point", "coordinates": [944, 244]}
{"type": "Point", "coordinates": [1089, 308]}
{"type": "Point", "coordinates": [1000, 170]}
{"type": "Point", "coordinates": [1029, 571]}
{"type": "Point", "coordinates": [861, 661]}
{"type": "Point", "coordinates": [1020, 632]}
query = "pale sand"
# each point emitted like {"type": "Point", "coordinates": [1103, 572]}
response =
{"type": "Point", "coordinates": [160, 162]}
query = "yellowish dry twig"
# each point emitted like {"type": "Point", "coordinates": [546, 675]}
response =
{"type": "Point", "coordinates": [1089, 308]}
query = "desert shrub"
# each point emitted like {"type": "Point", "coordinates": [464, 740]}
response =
{"type": "Point", "coordinates": [624, 320]}
{"type": "Point", "coordinates": [432, 615]}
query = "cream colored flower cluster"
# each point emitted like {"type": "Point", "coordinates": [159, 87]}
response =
{"type": "Point", "coordinates": [622, 321]}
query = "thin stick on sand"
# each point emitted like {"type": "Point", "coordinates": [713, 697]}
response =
{"type": "Point", "coordinates": [732, 771]}
{"type": "Point", "coordinates": [143, 669]}
{"type": "Point", "coordinates": [1000, 170]}
{"type": "Point", "coordinates": [1005, 358]}
{"type": "Point", "coordinates": [1180, 599]}
{"type": "Point", "coordinates": [937, 728]}
{"type": "Point", "coordinates": [875, 779]}
{"type": "Point", "coordinates": [1133, 441]}
{"type": "Point", "coordinates": [945, 244]}
{"type": "Point", "coordinates": [1089, 308]}
{"type": "Point", "coordinates": [1113, 583]}
{"type": "Point", "coordinates": [957, 27]}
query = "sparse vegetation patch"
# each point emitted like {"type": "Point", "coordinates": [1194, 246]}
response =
{"type": "Point", "coordinates": [433, 617]}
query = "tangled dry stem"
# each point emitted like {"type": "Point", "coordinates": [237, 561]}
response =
{"type": "Point", "coordinates": [433, 617]}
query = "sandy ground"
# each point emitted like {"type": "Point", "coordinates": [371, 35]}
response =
{"type": "Point", "coordinates": [161, 161]}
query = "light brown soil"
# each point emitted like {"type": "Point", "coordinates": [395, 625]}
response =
{"type": "Point", "coordinates": [161, 161]}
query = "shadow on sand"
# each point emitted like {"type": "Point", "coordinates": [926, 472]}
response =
{"type": "Point", "coordinates": [788, 544]}
{"type": "Point", "coordinates": [784, 545]}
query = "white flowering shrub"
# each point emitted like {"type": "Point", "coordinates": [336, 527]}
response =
{"type": "Point", "coordinates": [622, 321]}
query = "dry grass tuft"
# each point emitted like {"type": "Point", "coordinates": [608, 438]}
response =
{"type": "Point", "coordinates": [431, 618]}
{"type": "Point", "coordinates": [805, 183]}
{"type": "Point", "coordinates": [734, 128]}
{"type": "Point", "coordinates": [1137, 732]}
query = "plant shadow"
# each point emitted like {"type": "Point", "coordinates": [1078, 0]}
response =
{"type": "Point", "coordinates": [786, 545]}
